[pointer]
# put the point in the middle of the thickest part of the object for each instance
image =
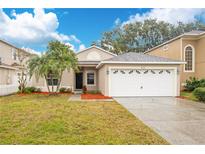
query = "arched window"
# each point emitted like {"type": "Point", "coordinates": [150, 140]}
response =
{"type": "Point", "coordinates": [189, 58]}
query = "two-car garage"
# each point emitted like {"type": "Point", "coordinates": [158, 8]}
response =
{"type": "Point", "coordinates": [142, 82]}
{"type": "Point", "coordinates": [133, 74]}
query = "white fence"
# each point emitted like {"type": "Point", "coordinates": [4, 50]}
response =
{"type": "Point", "coordinates": [8, 89]}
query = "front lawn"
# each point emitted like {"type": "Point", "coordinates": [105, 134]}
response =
{"type": "Point", "coordinates": [188, 95]}
{"type": "Point", "coordinates": [40, 119]}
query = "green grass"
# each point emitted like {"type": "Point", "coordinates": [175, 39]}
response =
{"type": "Point", "coordinates": [189, 95]}
{"type": "Point", "coordinates": [38, 119]}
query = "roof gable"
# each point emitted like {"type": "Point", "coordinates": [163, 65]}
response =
{"type": "Point", "coordinates": [94, 53]}
{"type": "Point", "coordinates": [96, 47]}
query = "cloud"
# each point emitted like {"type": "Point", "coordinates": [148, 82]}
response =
{"type": "Point", "coordinates": [171, 15]}
{"type": "Point", "coordinates": [31, 51]}
{"type": "Point", "coordinates": [82, 47]}
{"type": "Point", "coordinates": [72, 47]}
{"type": "Point", "coordinates": [73, 37]}
{"type": "Point", "coordinates": [35, 28]}
{"type": "Point", "coordinates": [117, 21]}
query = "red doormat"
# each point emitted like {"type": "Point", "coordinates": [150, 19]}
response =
{"type": "Point", "coordinates": [94, 96]}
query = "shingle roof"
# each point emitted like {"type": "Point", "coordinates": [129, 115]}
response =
{"type": "Point", "coordinates": [140, 57]}
{"type": "Point", "coordinates": [195, 32]}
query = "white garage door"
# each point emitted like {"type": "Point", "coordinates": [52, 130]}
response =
{"type": "Point", "coordinates": [142, 82]}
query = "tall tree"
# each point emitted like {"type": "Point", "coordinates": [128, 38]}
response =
{"type": "Point", "coordinates": [53, 63]}
{"type": "Point", "coordinates": [141, 36]}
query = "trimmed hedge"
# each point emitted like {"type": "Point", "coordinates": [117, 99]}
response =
{"type": "Point", "coordinates": [199, 93]}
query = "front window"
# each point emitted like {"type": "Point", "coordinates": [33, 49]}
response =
{"type": "Point", "coordinates": [90, 78]}
{"type": "Point", "coordinates": [14, 54]}
{"type": "Point", "coordinates": [189, 58]}
{"type": "Point", "coordinates": [51, 80]}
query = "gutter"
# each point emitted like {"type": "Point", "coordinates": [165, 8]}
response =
{"type": "Point", "coordinates": [8, 67]}
{"type": "Point", "coordinates": [122, 62]}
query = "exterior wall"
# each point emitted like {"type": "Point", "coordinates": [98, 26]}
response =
{"type": "Point", "coordinates": [85, 71]}
{"type": "Point", "coordinates": [6, 53]}
{"type": "Point", "coordinates": [186, 75]}
{"type": "Point", "coordinates": [8, 81]}
{"type": "Point", "coordinates": [173, 51]}
{"type": "Point", "coordinates": [93, 54]}
{"type": "Point", "coordinates": [200, 58]}
{"type": "Point", "coordinates": [104, 82]}
{"type": "Point", "coordinates": [176, 51]}
{"type": "Point", "coordinates": [67, 81]}
{"type": "Point", "coordinates": [102, 78]}
{"type": "Point", "coordinates": [7, 76]}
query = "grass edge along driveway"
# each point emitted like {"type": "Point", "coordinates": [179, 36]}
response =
{"type": "Point", "coordinates": [40, 119]}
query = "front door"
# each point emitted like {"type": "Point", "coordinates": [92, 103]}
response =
{"type": "Point", "coordinates": [79, 80]}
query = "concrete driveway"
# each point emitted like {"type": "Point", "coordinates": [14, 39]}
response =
{"type": "Point", "coordinates": [178, 121]}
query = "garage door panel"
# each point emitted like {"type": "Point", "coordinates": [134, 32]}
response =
{"type": "Point", "coordinates": [147, 82]}
{"type": "Point", "coordinates": [121, 82]}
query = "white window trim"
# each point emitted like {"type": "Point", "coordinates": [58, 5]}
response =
{"type": "Point", "coordinates": [90, 71]}
{"type": "Point", "coordinates": [193, 58]}
{"type": "Point", "coordinates": [14, 51]}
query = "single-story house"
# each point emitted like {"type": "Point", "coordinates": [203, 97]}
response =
{"type": "Point", "coordinates": [129, 74]}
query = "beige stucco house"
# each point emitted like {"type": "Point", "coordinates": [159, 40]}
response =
{"type": "Point", "coordinates": [189, 47]}
{"type": "Point", "coordinates": [129, 74]}
{"type": "Point", "coordinates": [10, 59]}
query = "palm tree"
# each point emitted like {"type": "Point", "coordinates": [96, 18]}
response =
{"type": "Point", "coordinates": [39, 67]}
{"type": "Point", "coordinates": [53, 63]}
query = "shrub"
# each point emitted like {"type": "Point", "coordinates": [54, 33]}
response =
{"type": "Point", "coordinates": [69, 90]}
{"type": "Point", "coordinates": [84, 90]}
{"type": "Point", "coordinates": [199, 93]}
{"type": "Point", "coordinates": [38, 90]}
{"type": "Point", "coordinates": [93, 92]}
{"type": "Point", "coordinates": [202, 83]}
{"type": "Point", "coordinates": [192, 83]}
{"type": "Point", "coordinates": [29, 90]}
{"type": "Point", "coordinates": [63, 90]}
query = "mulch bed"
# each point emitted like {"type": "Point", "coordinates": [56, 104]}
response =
{"type": "Point", "coordinates": [94, 96]}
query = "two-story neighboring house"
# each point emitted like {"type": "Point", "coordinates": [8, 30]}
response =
{"type": "Point", "coordinates": [11, 60]}
{"type": "Point", "coordinates": [189, 47]}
